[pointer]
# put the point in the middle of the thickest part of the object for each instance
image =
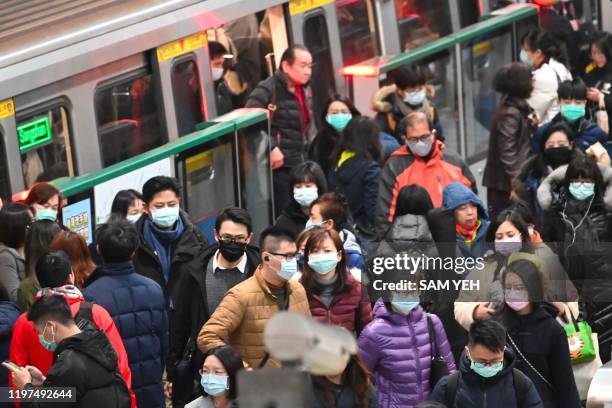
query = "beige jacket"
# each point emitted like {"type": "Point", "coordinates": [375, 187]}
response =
{"type": "Point", "coordinates": [241, 317]}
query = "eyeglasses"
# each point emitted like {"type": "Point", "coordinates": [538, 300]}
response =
{"type": "Point", "coordinates": [288, 256]}
{"type": "Point", "coordinates": [422, 138]}
{"type": "Point", "coordinates": [227, 239]}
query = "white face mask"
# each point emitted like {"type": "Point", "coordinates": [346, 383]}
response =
{"type": "Point", "coordinates": [217, 73]}
{"type": "Point", "coordinates": [415, 98]}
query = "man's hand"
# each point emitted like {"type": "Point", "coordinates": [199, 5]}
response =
{"type": "Point", "coordinates": [593, 94]}
{"type": "Point", "coordinates": [277, 158]}
{"type": "Point", "coordinates": [21, 376]}
{"type": "Point", "coordinates": [37, 377]}
{"type": "Point", "coordinates": [483, 311]}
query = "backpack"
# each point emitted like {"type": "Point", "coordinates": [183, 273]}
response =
{"type": "Point", "coordinates": [84, 317]}
{"type": "Point", "coordinates": [521, 387]}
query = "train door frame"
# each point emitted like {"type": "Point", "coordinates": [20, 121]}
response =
{"type": "Point", "coordinates": [8, 128]}
{"type": "Point", "coordinates": [386, 27]}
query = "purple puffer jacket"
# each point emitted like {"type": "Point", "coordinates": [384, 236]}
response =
{"type": "Point", "coordinates": [396, 349]}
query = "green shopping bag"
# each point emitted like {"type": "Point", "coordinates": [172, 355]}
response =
{"type": "Point", "coordinates": [580, 340]}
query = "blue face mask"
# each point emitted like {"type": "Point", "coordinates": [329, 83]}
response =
{"type": "Point", "coordinates": [338, 120]}
{"type": "Point", "coordinates": [48, 345]}
{"type": "Point", "coordinates": [133, 218]}
{"type": "Point", "coordinates": [288, 269]}
{"type": "Point", "coordinates": [305, 195]}
{"type": "Point", "coordinates": [214, 385]}
{"type": "Point", "coordinates": [404, 306]}
{"type": "Point", "coordinates": [323, 263]}
{"type": "Point", "coordinates": [415, 98]}
{"type": "Point", "coordinates": [46, 214]}
{"type": "Point", "coordinates": [165, 217]}
{"type": "Point", "coordinates": [582, 191]}
{"type": "Point", "coordinates": [525, 58]}
{"type": "Point", "coordinates": [484, 370]}
{"type": "Point", "coordinates": [310, 223]}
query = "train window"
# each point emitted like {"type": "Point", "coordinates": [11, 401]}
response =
{"type": "Point", "coordinates": [187, 96]}
{"type": "Point", "coordinates": [422, 21]}
{"type": "Point", "coordinates": [316, 39]}
{"type": "Point", "coordinates": [128, 118]}
{"type": "Point", "coordinates": [5, 191]}
{"type": "Point", "coordinates": [248, 40]}
{"type": "Point", "coordinates": [44, 144]}
{"type": "Point", "coordinates": [357, 30]}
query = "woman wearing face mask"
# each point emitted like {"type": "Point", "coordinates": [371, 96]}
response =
{"type": "Point", "coordinates": [357, 159]}
{"type": "Point", "coordinates": [397, 348]}
{"type": "Point", "coordinates": [510, 134]}
{"type": "Point", "coordinates": [15, 219]}
{"type": "Point", "coordinates": [598, 76]}
{"type": "Point", "coordinates": [556, 149]}
{"type": "Point", "coordinates": [536, 338]}
{"type": "Point", "coordinates": [331, 211]}
{"type": "Point", "coordinates": [334, 295]}
{"type": "Point", "coordinates": [337, 113]}
{"type": "Point", "coordinates": [577, 203]}
{"type": "Point", "coordinates": [507, 235]}
{"type": "Point", "coordinates": [218, 379]}
{"type": "Point", "coordinates": [307, 182]}
{"type": "Point", "coordinates": [128, 204]}
{"type": "Point", "coordinates": [45, 200]}
{"type": "Point", "coordinates": [351, 388]}
{"type": "Point", "coordinates": [542, 53]}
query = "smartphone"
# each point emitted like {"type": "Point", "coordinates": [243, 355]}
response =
{"type": "Point", "coordinates": [12, 365]}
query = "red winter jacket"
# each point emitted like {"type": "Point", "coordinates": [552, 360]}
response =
{"type": "Point", "coordinates": [27, 350]}
{"type": "Point", "coordinates": [343, 310]}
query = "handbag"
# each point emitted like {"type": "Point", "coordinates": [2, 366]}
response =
{"type": "Point", "coordinates": [580, 340]}
{"type": "Point", "coordinates": [439, 369]}
{"type": "Point", "coordinates": [183, 375]}
{"type": "Point", "coordinates": [518, 351]}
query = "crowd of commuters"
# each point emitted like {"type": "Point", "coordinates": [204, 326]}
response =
{"type": "Point", "coordinates": [152, 312]}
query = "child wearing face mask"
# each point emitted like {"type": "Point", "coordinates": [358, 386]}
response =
{"type": "Point", "coordinates": [535, 337]}
{"type": "Point", "coordinates": [335, 296]}
{"type": "Point", "coordinates": [398, 346]}
{"type": "Point", "coordinates": [409, 93]}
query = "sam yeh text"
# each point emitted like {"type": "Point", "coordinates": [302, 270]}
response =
{"type": "Point", "coordinates": [410, 286]}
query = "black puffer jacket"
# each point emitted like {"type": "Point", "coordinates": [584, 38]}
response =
{"type": "Point", "coordinates": [323, 146]}
{"type": "Point", "coordinates": [88, 362]}
{"type": "Point", "coordinates": [292, 219]}
{"type": "Point", "coordinates": [288, 132]}
{"type": "Point", "coordinates": [185, 259]}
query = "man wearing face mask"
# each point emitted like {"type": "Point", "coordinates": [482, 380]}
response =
{"type": "Point", "coordinates": [169, 243]}
{"type": "Point", "coordinates": [241, 317]}
{"type": "Point", "coordinates": [422, 161]}
{"type": "Point", "coordinates": [84, 359]}
{"type": "Point", "coordinates": [408, 94]}
{"type": "Point", "coordinates": [225, 264]}
{"type": "Point", "coordinates": [573, 98]}
{"type": "Point", "coordinates": [487, 377]}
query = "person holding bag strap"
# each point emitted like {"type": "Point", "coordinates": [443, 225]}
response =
{"type": "Point", "coordinates": [538, 341]}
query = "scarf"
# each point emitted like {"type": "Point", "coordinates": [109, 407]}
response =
{"type": "Point", "coordinates": [67, 291]}
{"type": "Point", "coordinates": [468, 234]}
{"type": "Point", "coordinates": [164, 243]}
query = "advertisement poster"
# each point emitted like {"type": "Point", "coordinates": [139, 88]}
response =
{"type": "Point", "coordinates": [104, 193]}
{"type": "Point", "coordinates": [77, 217]}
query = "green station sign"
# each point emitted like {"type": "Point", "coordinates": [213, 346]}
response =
{"type": "Point", "coordinates": [34, 133]}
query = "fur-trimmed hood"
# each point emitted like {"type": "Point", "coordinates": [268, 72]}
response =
{"type": "Point", "coordinates": [552, 182]}
{"type": "Point", "coordinates": [381, 100]}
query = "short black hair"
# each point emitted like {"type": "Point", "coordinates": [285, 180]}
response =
{"type": "Point", "coordinates": [408, 76]}
{"type": "Point", "coordinates": [117, 240]}
{"type": "Point", "coordinates": [158, 184]}
{"type": "Point", "coordinates": [122, 201]}
{"type": "Point", "coordinates": [519, 223]}
{"type": "Point", "coordinates": [574, 89]}
{"type": "Point", "coordinates": [53, 269]}
{"type": "Point", "coordinates": [362, 137]}
{"type": "Point", "coordinates": [14, 221]}
{"type": "Point", "coordinates": [234, 214]}
{"type": "Point", "coordinates": [338, 98]}
{"type": "Point", "coordinates": [603, 41]}
{"type": "Point", "coordinates": [288, 55]}
{"type": "Point", "coordinates": [216, 49]}
{"type": "Point", "coordinates": [308, 172]}
{"type": "Point", "coordinates": [514, 80]}
{"type": "Point", "coordinates": [413, 199]}
{"type": "Point", "coordinates": [546, 42]}
{"type": "Point", "coordinates": [584, 166]}
{"type": "Point", "coordinates": [272, 237]}
{"type": "Point", "coordinates": [523, 210]}
{"type": "Point", "coordinates": [560, 126]}
{"type": "Point", "coordinates": [232, 362]}
{"type": "Point", "coordinates": [487, 333]}
{"type": "Point", "coordinates": [48, 308]}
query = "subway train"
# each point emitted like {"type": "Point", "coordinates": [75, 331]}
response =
{"type": "Point", "coordinates": [88, 84]}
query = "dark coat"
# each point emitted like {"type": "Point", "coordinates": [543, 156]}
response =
{"type": "Point", "coordinates": [188, 246]}
{"type": "Point", "coordinates": [342, 396]}
{"type": "Point", "coordinates": [508, 143]}
{"type": "Point", "coordinates": [292, 219]}
{"type": "Point", "coordinates": [322, 147]}
{"type": "Point", "coordinates": [9, 313]}
{"type": "Point", "coordinates": [138, 308]}
{"type": "Point", "coordinates": [495, 392]}
{"type": "Point", "coordinates": [543, 342]}
{"type": "Point", "coordinates": [192, 306]}
{"type": "Point", "coordinates": [288, 131]}
{"type": "Point", "coordinates": [601, 78]}
{"type": "Point", "coordinates": [88, 362]}
{"type": "Point", "coordinates": [357, 179]}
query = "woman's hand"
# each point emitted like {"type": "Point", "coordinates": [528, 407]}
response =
{"type": "Point", "coordinates": [483, 311]}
